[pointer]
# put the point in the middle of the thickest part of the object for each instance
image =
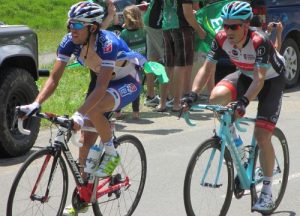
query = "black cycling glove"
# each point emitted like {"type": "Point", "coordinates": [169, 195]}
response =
{"type": "Point", "coordinates": [189, 99]}
{"type": "Point", "coordinates": [241, 105]}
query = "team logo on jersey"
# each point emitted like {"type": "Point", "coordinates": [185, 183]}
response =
{"type": "Point", "coordinates": [214, 45]}
{"type": "Point", "coordinates": [261, 51]}
{"type": "Point", "coordinates": [107, 47]}
{"type": "Point", "coordinates": [127, 89]}
{"type": "Point", "coordinates": [235, 52]}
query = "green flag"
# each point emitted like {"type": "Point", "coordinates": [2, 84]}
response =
{"type": "Point", "coordinates": [209, 19]}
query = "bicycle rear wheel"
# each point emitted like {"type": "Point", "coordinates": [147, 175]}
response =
{"type": "Point", "coordinates": [22, 200]}
{"type": "Point", "coordinates": [280, 171]}
{"type": "Point", "coordinates": [202, 198]}
{"type": "Point", "coordinates": [133, 159]}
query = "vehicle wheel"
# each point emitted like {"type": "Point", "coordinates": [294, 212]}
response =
{"type": "Point", "coordinates": [17, 87]}
{"type": "Point", "coordinates": [201, 195]}
{"type": "Point", "coordinates": [291, 53]}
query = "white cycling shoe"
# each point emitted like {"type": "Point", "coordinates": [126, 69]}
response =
{"type": "Point", "coordinates": [264, 203]}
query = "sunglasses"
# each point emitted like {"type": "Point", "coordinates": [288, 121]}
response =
{"type": "Point", "coordinates": [232, 27]}
{"type": "Point", "coordinates": [77, 25]}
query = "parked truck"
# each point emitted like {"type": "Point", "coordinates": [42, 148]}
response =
{"type": "Point", "coordinates": [18, 73]}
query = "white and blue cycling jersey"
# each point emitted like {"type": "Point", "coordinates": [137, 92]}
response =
{"type": "Point", "coordinates": [125, 85]}
{"type": "Point", "coordinates": [109, 47]}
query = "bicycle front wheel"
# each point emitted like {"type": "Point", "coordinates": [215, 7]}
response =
{"type": "Point", "coordinates": [134, 166]}
{"type": "Point", "coordinates": [202, 194]}
{"type": "Point", "coordinates": [28, 192]}
{"type": "Point", "coordinates": [280, 171]}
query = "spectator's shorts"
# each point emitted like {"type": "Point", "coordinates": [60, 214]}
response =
{"type": "Point", "coordinates": [269, 97]}
{"type": "Point", "coordinates": [155, 44]}
{"type": "Point", "coordinates": [179, 47]}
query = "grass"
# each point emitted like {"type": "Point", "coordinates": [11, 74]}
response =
{"type": "Point", "coordinates": [47, 18]}
{"type": "Point", "coordinates": [70, 92]}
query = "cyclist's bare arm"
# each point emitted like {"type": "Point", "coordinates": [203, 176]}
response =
{"type": "Point", "coordinates": [52, 81]}
{"type": "Point", "coordinates": [257, 83]}
{"type": "Point", "coordinates": [202, 76]}
{"type": "Point", "coordinates": [99, 92]}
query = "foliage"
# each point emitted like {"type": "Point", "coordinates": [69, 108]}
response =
{"type": "Point", "coordinates": [47, 18]}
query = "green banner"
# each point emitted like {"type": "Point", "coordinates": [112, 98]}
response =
{"type": "Point", "coordinates": [209, 19]}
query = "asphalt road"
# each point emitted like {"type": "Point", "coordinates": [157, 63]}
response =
{"type": "Point", "coordinates": [169, 143]}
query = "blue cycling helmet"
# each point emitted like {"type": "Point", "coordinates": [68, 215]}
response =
{"type": "Point", "coordinates": [237, 10]}
{"type": "Point", "coordinates": [85, 11]}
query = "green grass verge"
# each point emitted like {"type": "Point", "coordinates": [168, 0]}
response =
{"type": "Point", "coordinates": [47, 18]}
{"type": "Point", "coordinates": [71, 92]}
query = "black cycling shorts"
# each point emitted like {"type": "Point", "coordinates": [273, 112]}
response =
{"type": "Point", "coordinates": [269, 98]}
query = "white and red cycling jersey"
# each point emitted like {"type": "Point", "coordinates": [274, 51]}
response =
{"type": "Point", "coordinates": [257, 52]}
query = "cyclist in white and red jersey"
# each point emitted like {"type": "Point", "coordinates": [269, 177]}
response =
{"type": "Point", "coordinates": [260, 75]}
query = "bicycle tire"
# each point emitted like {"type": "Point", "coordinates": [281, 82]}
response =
{"type": "Point", "coordinates": [205, 205]}
{"type": "Point", "coordinates": [279, 181]}
{"type": "Point", "coordinates": [132, 154]}
{"type": "Point", "coordinates": [20, 203]}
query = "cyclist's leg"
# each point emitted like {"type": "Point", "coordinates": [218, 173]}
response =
{"type": "Point", "coordinates": [270, 98]}
{"type": "Point", "coordinates": [87, 139]}
{"type": "Point", "coordinates": [226, 90]}
{"type": "Point", "coordinates": [119, 94]}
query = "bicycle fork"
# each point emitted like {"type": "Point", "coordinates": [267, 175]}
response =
{"type": "Point", "coordinates": [45, 198]}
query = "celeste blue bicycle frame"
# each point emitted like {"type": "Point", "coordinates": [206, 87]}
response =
{"type": "Point", "coordinates": [225, 118]}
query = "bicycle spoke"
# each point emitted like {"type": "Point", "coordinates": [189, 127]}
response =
{"type": "Point", "coordinates": [201, 196]}
{"type": "Point", "coordinates": [125, 200]}
{"type": "Point", "coordinates": [20, 201]}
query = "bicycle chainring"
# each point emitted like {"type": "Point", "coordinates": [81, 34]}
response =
{"type": "Point", "coordinates": [238, 191]}
{"type": "Point", "coordinates": [77, 202]}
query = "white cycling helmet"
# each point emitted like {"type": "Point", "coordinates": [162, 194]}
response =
{"type": "Point", "coordinates": [237, 10]}
{"type": "Point", "coordinates": [85, 11]}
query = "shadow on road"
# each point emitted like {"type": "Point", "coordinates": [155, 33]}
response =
{"type": "Point", "coordinates": [17, 160]}
{"type": "Point", "coordinates": [288, 213]}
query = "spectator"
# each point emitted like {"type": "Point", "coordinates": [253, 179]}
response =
{"type": "Point", "coordinates": [256, 22]}
{"type": "Point", "coordinates": [179, 24]}
{"type": "Point", "coordinates": [134, 35]}
{"type": "Point", "coordinates": [155, 46]}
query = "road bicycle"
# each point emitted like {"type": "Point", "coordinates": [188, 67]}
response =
{"type": "Point", "coordinates": [210, 181]}
{"type": "Point", "coordinates": [41, 185]}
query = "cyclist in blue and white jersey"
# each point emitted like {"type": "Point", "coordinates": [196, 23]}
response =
{"type": "Point", "coordinates": [260, 74]}
{"type": "Point", "coordinates": [116, 82]}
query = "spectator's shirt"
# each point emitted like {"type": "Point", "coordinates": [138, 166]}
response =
{"type": "Point", "coordinates": [154, 14]}
{"type": "Point", "coordinates": [173, 17]}
{"type": "Point", "coordinates": [135, 39]}
{"type": "Point", "coordinates": [108, 46]}
{"type": "Point", "coordinates": [257, 52]}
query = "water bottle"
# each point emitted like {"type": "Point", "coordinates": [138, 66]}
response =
{"type": "Point", "coordinates": [93, 159]}
{"type": "Point", "coordinates": [240, 148]}
{"type": "Point", "coordinates": [238, 143]}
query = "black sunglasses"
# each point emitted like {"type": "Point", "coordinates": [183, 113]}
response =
{"type": "Point", "coordinates": [232, 27]}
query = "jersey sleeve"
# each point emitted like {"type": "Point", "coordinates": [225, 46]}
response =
{"type": "Point", "coordinates": [263, 51]}
{"type": "Point", "coordinates": [215, 52]}
{"type": "Point", "coordinates": [65, 49]}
